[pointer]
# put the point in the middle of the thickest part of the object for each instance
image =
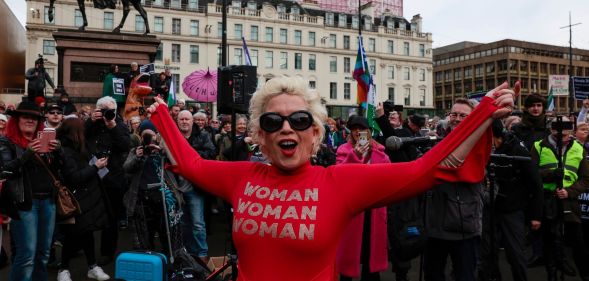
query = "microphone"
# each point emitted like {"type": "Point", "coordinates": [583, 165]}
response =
{"type": "Point", "coordinates": [510, 157]}
{"type": "Point", "coordinates": [396, 143]}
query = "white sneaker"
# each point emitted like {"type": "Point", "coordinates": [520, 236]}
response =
{"type": "Point", "coordinates": [64, 275]}
{"type": "Point", "coordinates": [98, 274]}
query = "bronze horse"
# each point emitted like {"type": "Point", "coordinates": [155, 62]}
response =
{"type": "Point", "coordinates": [111, 4]}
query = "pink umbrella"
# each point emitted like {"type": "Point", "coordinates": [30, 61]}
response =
{"type": "Point", "coordinates": [201, 85]}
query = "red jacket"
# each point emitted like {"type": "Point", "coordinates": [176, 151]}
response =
{"type": "Point", "coordinates": [349, 249]}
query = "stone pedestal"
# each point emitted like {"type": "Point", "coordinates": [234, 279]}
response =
{"type": "Point", "coordinates": [84, 58]}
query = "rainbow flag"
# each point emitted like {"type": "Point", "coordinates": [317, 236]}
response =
{"type": "Point", "coordinates": [362, 74]}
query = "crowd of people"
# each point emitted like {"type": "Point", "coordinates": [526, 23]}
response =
{"type": "Point", "coordinates": [296, 185]}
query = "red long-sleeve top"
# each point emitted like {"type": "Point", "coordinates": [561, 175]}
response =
{"type": "Point", "coordinates": [287, 224]}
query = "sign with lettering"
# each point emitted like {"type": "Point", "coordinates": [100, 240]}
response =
{"type": "Point", "coordinates": [478, 96]}
{"type": "Point", "coordinates": [148, 68]}
{"type": "Point", "coordinates": [118, 86]}
{"type": "Point", "coordinates": [584, 204]}
{"type": "Point", "coordinates": [581, 86]}
{"type": "Point", "coordinates": [559, 84]}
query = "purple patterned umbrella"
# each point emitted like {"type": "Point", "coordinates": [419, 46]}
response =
{"type": "Point", "coordinates": [201, 85]}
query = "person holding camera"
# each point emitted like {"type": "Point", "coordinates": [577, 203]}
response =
{"type": "Point", "coordinates": [563, 183]}
{"type": "Point", "coordinates": [143, 200]}
{"type": "Point", "coordinates": [107, 135]}
{"type": "Point", "coordinates": [37, 77]}
{"type": "Point", "coordinates": [364, 240]}
{"type": "Point", "coordinates": [516, 203]}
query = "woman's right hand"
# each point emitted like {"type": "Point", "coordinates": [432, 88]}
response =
{"type": "Point", "coordinates": [139, 151]}
{"type": "Point", "coordinates": [158, 101]}
{"type": "Point", "coordinates": [35, 145]}
{"type": "Point", "coordinates": [101, 163]}
{"type": "Point", "coordinates": [361, 150]}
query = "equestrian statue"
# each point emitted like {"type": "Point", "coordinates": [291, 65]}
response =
{"type": "Point", "coordinates": [111, 4]}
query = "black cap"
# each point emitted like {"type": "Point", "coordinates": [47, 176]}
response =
{"type": "Point", "coordinates": [54, 107]}
{"type": "Point", "coordinates": [356, 120]}
{"type": "Point", "coordinates": [26, 108]}
{"type": "Point", "coordinates": [417, 119]}
{"type": "Point", "coordinates": [146, 125]}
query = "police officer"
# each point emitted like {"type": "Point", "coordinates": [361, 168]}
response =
{"type": "Point", "coordinates": [562, 187]}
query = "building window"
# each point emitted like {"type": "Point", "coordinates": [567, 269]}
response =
{"type": "Point", "coordinates": [175, 4]}
{"type": "Point", "coordinates": [283, 36]}
{"type": "Point", "coordinates": [254, 33]}
{"type": "Point", "coordinates": [391, 72]}
{"type": "Point", "coordinates": [312, 84]}
{"type": "Point", "coordinates": [219, 29]}
{"type": "Point", "coordinates": [281, 8]}
{"type": "Point", "coordinates": [194, 27]}
{"type": "Point", "coordinates": [175, 52]}
{"type": "Point", "coordinates": [422, 50]}
{"type": "Point", "coordinates": [176, 79]}
{"type": "Point", "coordinates": [406, 75]}
{"type": "Point", "coordinates": [158, 24]}
{"type": "Point", "coordinates": [254, 57]}
{"type": "Point", "coordinates": [238, 31]}
{"type": "Point", "coordinates": [372, 65]}
{"type": "Point", "coordinates": [298, 37]}
{"type": "Point", "coordinates": [159, 54]}
{"type": "Point", "coordinates": [158, 2]}
{"type": "Point", "coordinates": [311, 38]}
{"type": "Point", "coordinates": [269, 34]}
{"type": "Point", "coordinates": [355, 22]}
{"type": "Point", "coordinates": [367, 23]}
{"type": "Point", "coordinates": [333, 90]}
{"type": "Point", "coordinates": [347, 91]}
{"type": "Point", "coordinates": [342, 20]}
{"type": "Point", "coordinates": [329, 17]}
{"type": "Point", "coordinates": [298, 61]}
{"type": "Point", "coordinates": [422, 74]}
{"type": "Point", "coordinates": [139, 24]}
{"type": "Point", "coordinates": [347, 63]}
{"type": "Point", "coordinates": [283, 60]}
{"type": "Point", "coordinates": [108, 21]}
{"type": "Point", "coordinates": [407, 96]}
{"type": "Point", "coordinates": [269, 59]}
{"type": "Point", "coordinates": [312, 61]}
{"type": "Point", "coordinates": [176, 25]}
{"type": "Point", "coordinates": [406, 48]}
{"type": "Point", "coordinates": [422, 97]}
{"type": "Point", "coordinates": [48, 47]}
{"type": "Point", "coordinates": [332, 64]}
{"type": "Point", "coordinates": [238, 56]}
{"type": "Point", "coordinates": [219, 55]}
{"type": "Point", "coordinates": [332, 41]}
{"type": "Point", "coordinates": [490, 67]}
{"type": "Point", "coordinates": [295, 10]}
{"type": "Point", "coordinates": [391, 47]}
{"type": "Point", "coordinates": [78, 20]}
{"type": "Point", "coordinates": [371, 45]}
{"type": "Point", "coordinates": [194, 54]}
{"type": "Point", "coordinates": [346, 42]}
{"type": "Point", "coordinates": [391, 93]}
{"type": "Point", "coordinates": [193, 4]}
{"type": "Point", "coordinates": [46, 15]}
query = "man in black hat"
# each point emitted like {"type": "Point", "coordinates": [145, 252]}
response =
{"type": "Point", "coordinates": [37, 77]}
{"type": "Point", "coordinates": [66, 104]}
{"type": "Point", "coordinates": [533, 125]}
{"type": "Point", "coordinates": [53, 116]}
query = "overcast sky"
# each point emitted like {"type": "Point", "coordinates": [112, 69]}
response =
{"type": "Point", "coordinates": [483, 21]}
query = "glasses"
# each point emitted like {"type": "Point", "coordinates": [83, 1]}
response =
{"type": "Point", "coordinates": [298, 120]}
{"type": "Point", "coordinates": [54, 112]}
{"type": "Point", "coordinates": [455, 114]}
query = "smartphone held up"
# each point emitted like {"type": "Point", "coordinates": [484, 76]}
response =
{"type": "Point", "coordinates": [45, 137]}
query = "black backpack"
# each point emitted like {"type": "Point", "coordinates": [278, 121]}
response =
{"type": "Point", "coordinates": [406, 228]}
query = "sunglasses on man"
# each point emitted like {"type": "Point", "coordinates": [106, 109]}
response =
{"type": "Point", "coordinates": [298, 120]}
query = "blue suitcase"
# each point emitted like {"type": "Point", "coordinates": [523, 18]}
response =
{"type": "Point", "coordinates": [141, 266]}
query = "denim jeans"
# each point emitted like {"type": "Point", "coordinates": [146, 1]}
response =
{"type": "Point", "coordinates": [195, 232]}
{"type": "Point", "coordinates": [32, 236]}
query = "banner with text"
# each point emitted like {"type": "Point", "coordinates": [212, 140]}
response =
{"type": "Point", "coordinates": [118, 86]}
{"type": "Point", "coordinates": [559, 84]}
{"type": "Point", "coordinates": [581, 87]}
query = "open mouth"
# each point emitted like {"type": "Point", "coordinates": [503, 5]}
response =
{"type": "Point", "coordinates": [288, 146]}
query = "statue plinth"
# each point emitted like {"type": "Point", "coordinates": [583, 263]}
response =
{"type": "Point", "coordinates": [84, 56]}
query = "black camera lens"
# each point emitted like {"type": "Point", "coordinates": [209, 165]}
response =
{"type": "Point", "coordinates": [109, 114]}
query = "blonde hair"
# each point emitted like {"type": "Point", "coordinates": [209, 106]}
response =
{"type": "Point", "coordinates": [290, 86]}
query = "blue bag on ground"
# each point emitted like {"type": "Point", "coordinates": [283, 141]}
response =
{"type": "Point", "coordinates": [141, 266]}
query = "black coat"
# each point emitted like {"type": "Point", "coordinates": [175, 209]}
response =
{"type": "Point", "coordinates": [82, 179]}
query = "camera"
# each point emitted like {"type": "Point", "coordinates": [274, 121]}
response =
{"type": "Point", "coordinates": [147, 140]}
{"type": "Point", "coordinates": [389, 106]}
{"type": "Point", "coordinates": [102, 154]}
{"type": "Point", "coordinates": [108, 114]}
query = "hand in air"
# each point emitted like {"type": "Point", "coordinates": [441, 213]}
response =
{"type": "Point", "coordinates": [158, 100]}
{"type": "Point", "coordinates": [504, 98]}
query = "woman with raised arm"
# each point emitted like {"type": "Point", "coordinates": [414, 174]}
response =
{"type": "Point", "coordinates": [289, 215]}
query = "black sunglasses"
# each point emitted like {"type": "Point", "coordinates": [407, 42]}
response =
{"type": "Point", "coordinates": [298, 120]}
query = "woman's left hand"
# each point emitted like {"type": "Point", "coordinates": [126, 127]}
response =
{"type": "Point", "coordinates": [504, 98]}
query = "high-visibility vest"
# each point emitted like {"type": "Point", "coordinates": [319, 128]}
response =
{"type": "Point", "coordinates": [571, 160]}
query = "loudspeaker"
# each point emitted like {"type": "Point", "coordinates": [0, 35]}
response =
{"type": "Point", "coordinates": [236, 85]}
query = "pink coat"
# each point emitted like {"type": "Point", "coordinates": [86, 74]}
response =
{"type": "Point", "coordinates": [349, 249]}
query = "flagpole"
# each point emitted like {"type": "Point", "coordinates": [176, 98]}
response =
{"type": "Point", "coordinates": [360, 109]}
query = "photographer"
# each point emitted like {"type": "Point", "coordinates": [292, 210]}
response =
{"type": "Point", "coordinates": [107, 135]}
{"type": "Point", "coordinates": [562, 187]}
{"type": "Point", "coordinates": [516, 184]}
{"type": "Point", "coordinates": [37, 77]}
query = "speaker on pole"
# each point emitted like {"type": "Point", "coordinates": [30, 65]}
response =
{"type": "Point", "coordinates": [235, 86]}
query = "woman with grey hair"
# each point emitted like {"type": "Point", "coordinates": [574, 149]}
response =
{"type": "Point", "coordinates": [290, 215]}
